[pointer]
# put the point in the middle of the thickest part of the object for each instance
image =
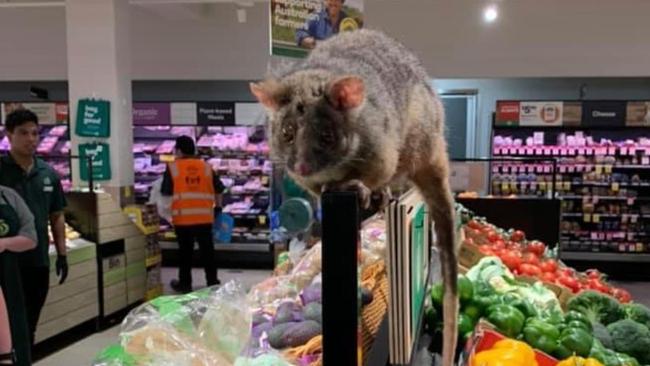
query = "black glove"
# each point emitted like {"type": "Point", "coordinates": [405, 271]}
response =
{"type": "Point", "coordinates": [62, 268]}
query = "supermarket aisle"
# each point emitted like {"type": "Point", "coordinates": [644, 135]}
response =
{"type": "Point", "coordinates": [83, 352]}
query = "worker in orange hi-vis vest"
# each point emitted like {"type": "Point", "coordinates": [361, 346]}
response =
{"type": "Point", "coordinates": [196, 199]}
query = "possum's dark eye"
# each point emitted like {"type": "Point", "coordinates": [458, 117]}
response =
{"type": "Point", "coordinates": [300, 108]}
{"type": "Point", "coordinates": [288, 133]}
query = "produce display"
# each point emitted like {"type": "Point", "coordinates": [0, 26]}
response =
{"type": "Point", "coordinates": [276, 323]}
{"type": "Point", "coordinates": [514, 288]}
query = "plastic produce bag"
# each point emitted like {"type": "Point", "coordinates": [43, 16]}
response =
{"type": "Point", "coordinates": [210, 327]}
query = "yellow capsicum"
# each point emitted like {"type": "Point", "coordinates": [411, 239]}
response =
{"type": "Point", "coordinates": [579, 361]}
{"type": "Point", "coordinates": [506, 352]}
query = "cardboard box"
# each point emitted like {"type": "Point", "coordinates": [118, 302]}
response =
{"type": "Point", "coordinates": [469, 255]}
{"type": "Point", "coordinates": [485, 336]}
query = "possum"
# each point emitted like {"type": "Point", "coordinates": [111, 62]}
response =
{"type": "Point", "coordinates": [359, 113]}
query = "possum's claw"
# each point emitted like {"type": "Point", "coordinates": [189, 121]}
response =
{"type": "Point", "coordinates": [353, 185]}
{"type": "Point", "coordinates": [382, 198]}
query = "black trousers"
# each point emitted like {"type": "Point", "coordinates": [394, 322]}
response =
{"type": "Point", "coordinates": [36, 284]}
{"type": "Point", "coordinates": [186, 236]}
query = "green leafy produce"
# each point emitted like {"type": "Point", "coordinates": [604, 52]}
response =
{"type": "Point", "coordinates": [521, 304]}
{"type": "Point", "coordinates": [465, 289]}
{"type": "Point", "coordinates": [541, 335]}
{"type": "Point", "coordinates": [484, 302]}
{"type": "Point", "coordinates": [610, 358]}
{"type": "Point", "coordinates": [465, 324]}
{"type": "Point", "coordinates": [473, 311]}
{"type": "Point", "coordinates": [601, 333]}
{"type": "Point", "coordinates": [508, 319]}
{"type": "Point", "coordinates": [487, 268]}
{"type": "Point", "coordinates": [576, 316]}
{"type": "Point", "coordinates": [597, 307]}
{"type": "Point", "coordinates": [575, 340]}
{"type": "Point", "coordinates": [638, 312]}
{"type": "Point", "coordinates": [631, 338]}
{"type": "Point", "coordinates": [578, 324]}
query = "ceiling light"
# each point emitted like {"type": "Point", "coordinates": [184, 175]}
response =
{"type": "Point", "coordinates": [490, 13]}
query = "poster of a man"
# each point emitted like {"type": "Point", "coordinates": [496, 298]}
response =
{"type": "Point", "coordinates": [298, 25]}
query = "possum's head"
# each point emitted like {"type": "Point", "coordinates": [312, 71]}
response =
{"type": "Point", "coordinates": [312, 118]}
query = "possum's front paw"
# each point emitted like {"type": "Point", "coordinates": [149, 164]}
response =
{"type": "Point", "coordinates": [353, 185]}
{"type": "Point", "coordinates": [381, 198]}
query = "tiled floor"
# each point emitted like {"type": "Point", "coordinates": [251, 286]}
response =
{"type": "Point", "coordinates": [83, 352]}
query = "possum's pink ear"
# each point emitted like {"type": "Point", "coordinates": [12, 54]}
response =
{"type": "Point", "coordinates": [347, 92]}
{"type": "Point", "coordinates": [267, 93]}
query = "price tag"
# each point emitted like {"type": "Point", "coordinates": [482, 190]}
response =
{"type": "Point", "coordinates": [615, 186]}
{"type": "Point", "coordinates": [563, 151]}
{"type": "Point", "coordinates": [623, 150]}
{"type": "Point", "coordinates": [166, 158]}
{"type": "Point", "coordinates": [538, 151]}
{"type": "Point", "coordinates": [632, 151]}
{"type": "Point", "coordinates": [634, 218]}
{"type": "Point", "coordinates": [645, 160]}
{"type": "Point", "coordinates": [504, 186]}
{"type": "Point", "coordinates": [581, 151]}
{"type": "Point", "coordinates": [497, 151]}
{"type": "Point", "coordinates": [586, 218]}
{"type": "Point", "coordinates": [539, 168]}
{"type": "Point", "coordinates": [262, 219]}
{"type": "Point", "coordinates": [529, 151]}
{"type": "Point", "coordinates": [594, 235]}
{"type": "Point", "coordinates": [264, 180]}
{"type": "Point", "coordinates": [608, 169]}
{"type": "Point", "coordinates": [572, 151]}
{"type": "Point", "coordinates": [555, 150]}
{"type": "Point", "coordinates": [599, 169]}
{"type": "Point", "coordinates": [612, 150]}
{"type": "Point", "coordinates": [630, 201]}
{"type": "Point", "coordinates": [521, 151]}
{"type": "Point", "coordinates": [572, 168]}
{"type": "Point", "coordinates": [547, 168]}
{"type": "Point", "coordinates": [547, 151]}
{"type": "Point", "coordinates": [596, 218]}
{"type": "Point", "coordinates": [513, 151]}
{"type": "Point", "coordinates": [599, 151]}
{"type": "Point", "coordinates": [567, 186]}
{"type": "Point", "coordinates": [562, 168]}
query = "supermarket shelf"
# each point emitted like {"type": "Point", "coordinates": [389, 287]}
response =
{"type": "Point", "coordinates": [243, 247]}
{"type": "Point", "coordinates": [613, 198]}
{"type": "Point", "coordinates": [607, 257]}
{"type": "Point", "coordinates": [580, 214]}
{"type": "Point", "coordinates": [608, 184]}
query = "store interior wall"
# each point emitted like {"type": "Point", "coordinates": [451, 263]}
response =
{"type": "Point", "coordinates": [531, 38]}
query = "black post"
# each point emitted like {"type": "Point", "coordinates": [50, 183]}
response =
{"type": "Point", "coordinates": [340, 280]}
{"type": "Point", "coordinates": [90, 173]}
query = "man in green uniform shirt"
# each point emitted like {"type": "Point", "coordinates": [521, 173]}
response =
{"type": "Point", "coordinates": [39, 185]}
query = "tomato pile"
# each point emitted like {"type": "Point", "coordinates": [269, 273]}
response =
{"type": "Point", "coordinates": [530, 258]}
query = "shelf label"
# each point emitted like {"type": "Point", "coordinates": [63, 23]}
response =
{"type": "Point", "coordinates": [615, 186]}
{"type": "Point", "coordinates": [547, 168]}
{"type": "Point", "coordinates": [586, 218]}
{"type": "Point", "coordinates": [596, 218]}
{"type": "Point", "coordinates": [538, 168]}
{"type": "Point", "coordinates": [262, 219]}
{"type": "Point", "coordinates": [581, 151]}
{"type": "Point", "coordinates": [612, 150]}
{"type": "Point", "coordinates": [520, 151]}
{"type": "Point", "coordinates": [623, 150]}
{"type": "Point", "coordinates": [166, 158]}
{"type": "Point", "coordinates": [264, 180]}
{"type": "Point", "coordinates": [599, 169]}
{"type": "Point", "coordinates": [608, 169]}
{"type": "Point", "coordinates": [529, 151]}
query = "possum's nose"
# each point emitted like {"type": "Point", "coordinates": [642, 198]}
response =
{"type": "Point", "coordinates": [302, 169]}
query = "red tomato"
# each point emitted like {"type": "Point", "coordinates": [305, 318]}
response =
{"type": "Point", "coordinates": [548, 277]}
{"type": "Point", "coordinates": [549, 265]}
{"type": "Point", "coordinates": [498, 245]}
{"type": "Point", "coordinates": [569, 282]}
{"type": "Point", "coordinates": [511, 259]}
{"type": "Point", "coordinates": [621, 295]}
{"type": "Point", "coordinates": [486, 250]}
{"type": "Point", "coordinates": [568, 271]}
{"type": "Point", "coordinates": [536, 247]}
{"type": "Point", "coordinates": [530, 269]}
{"type": "Point", "coordinates": [514, 246]}
{"type": "Point", "coordinates": [594, 273]}
{"type": "Point", "coordinates": [596, 284]}
{"type": "Point", "coordinates": [493, 237]}
{"type": "Point", "coordinates": [474, 224]}
{"type": "Point", "coordinates": [531, 258]}
{"type": "Point", "coordinates": [518, 236]}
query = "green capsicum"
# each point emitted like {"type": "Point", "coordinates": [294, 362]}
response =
{"type": "Point", "coordinates": [575, 340]}
{"type": "Point", "coordinates": [521, 304]}
{"type": "Point", "coordinates": [484, 302]}
{"type": "Point", "coordinates": [579, 324]}
{"type": "Point", "coordinates": [508, 319]}
{"type": "Point", "coordinates": [465, 289]}
{"type": "Point", "coordinates": [465, 324]}
{"type": "Point", "coordinates": [573, 315]}
{"type": "Point", "coordinates": [541, 335]}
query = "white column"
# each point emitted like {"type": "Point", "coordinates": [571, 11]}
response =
{"type": "Point", "coordinates": [99, 66]}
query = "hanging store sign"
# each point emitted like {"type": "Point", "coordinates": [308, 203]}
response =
{"type": "Point", "coordinates": [540, 114]}
{"type": "Point", "coordinates": [603, 113]}
{"type": "Point", "coordinates": [151, 113]}
{"type": "Point", "coordinates": [101, 161]}
{"type": "Point", "coordinates": [215, 113]}
{"type": "Point", "coordinates": [93, 118]}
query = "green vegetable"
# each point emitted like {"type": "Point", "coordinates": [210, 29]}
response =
{"type": "Point", "coordinates": [437, 293]}
{"type": "Point", "coordinates": [576, 340]}
{"type": "Point", "coordinates": [601, 333]}
{"type": "Point", "coordinates": [430, 318]}
{"type": "Point", "coordinates": [541, 335]}
{"type": "Point", "coordinates": [597, 307]}
{"type": "Point", "coordinates": [521, 304]}
{"type": "Point", "coordinates": [465, 324]}
{"type": "Point", "coordinates": [465, 289]}
{"type": "Point", "coordinates": [486, 269]}
{"type": "Point", "coordinates": [638, 312]}
{"type": "Point", "coordinates": [561, 352]}
{"type": "Point", "coordinates": [576, 316]}
{"type": "Point", "coordinates": [508, 320]}
{"type": "Point", "coordinates": [631, 338]}
{"type": "Point", "coordinates": [605, 356]}
{"type": "Point", "coordinates": [579, 324]}
{"type": "Point", "coordinates": [484, 302]}
{"type": "Point", "coordinates": [473, 311]}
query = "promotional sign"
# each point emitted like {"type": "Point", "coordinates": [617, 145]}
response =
{"type": "Point", "coordinates": [603, 113]}
{"type": "Point", "coordinates": [540, 114]}
{"type": "Point", "coordinates": [572, 113]}
{"type": "Point", "coordinates": [298, 25]}
{"type": "Point", "coordinates": [637, 114]}
{"type": "Point", "coordinates": [215, 113]}
{"type": "Point", "coordinates": [507, 113]}
{"type": "Point", "coordinates": [93, 118]}
{"type": "Point", "coordinates": [101, 162]}
{"type": "Point", "coordinates": [46, 112]}
{"type": "Point", "coordinates": [151, 113]}
{"type": "Point", "coordinates": [183, 113]}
